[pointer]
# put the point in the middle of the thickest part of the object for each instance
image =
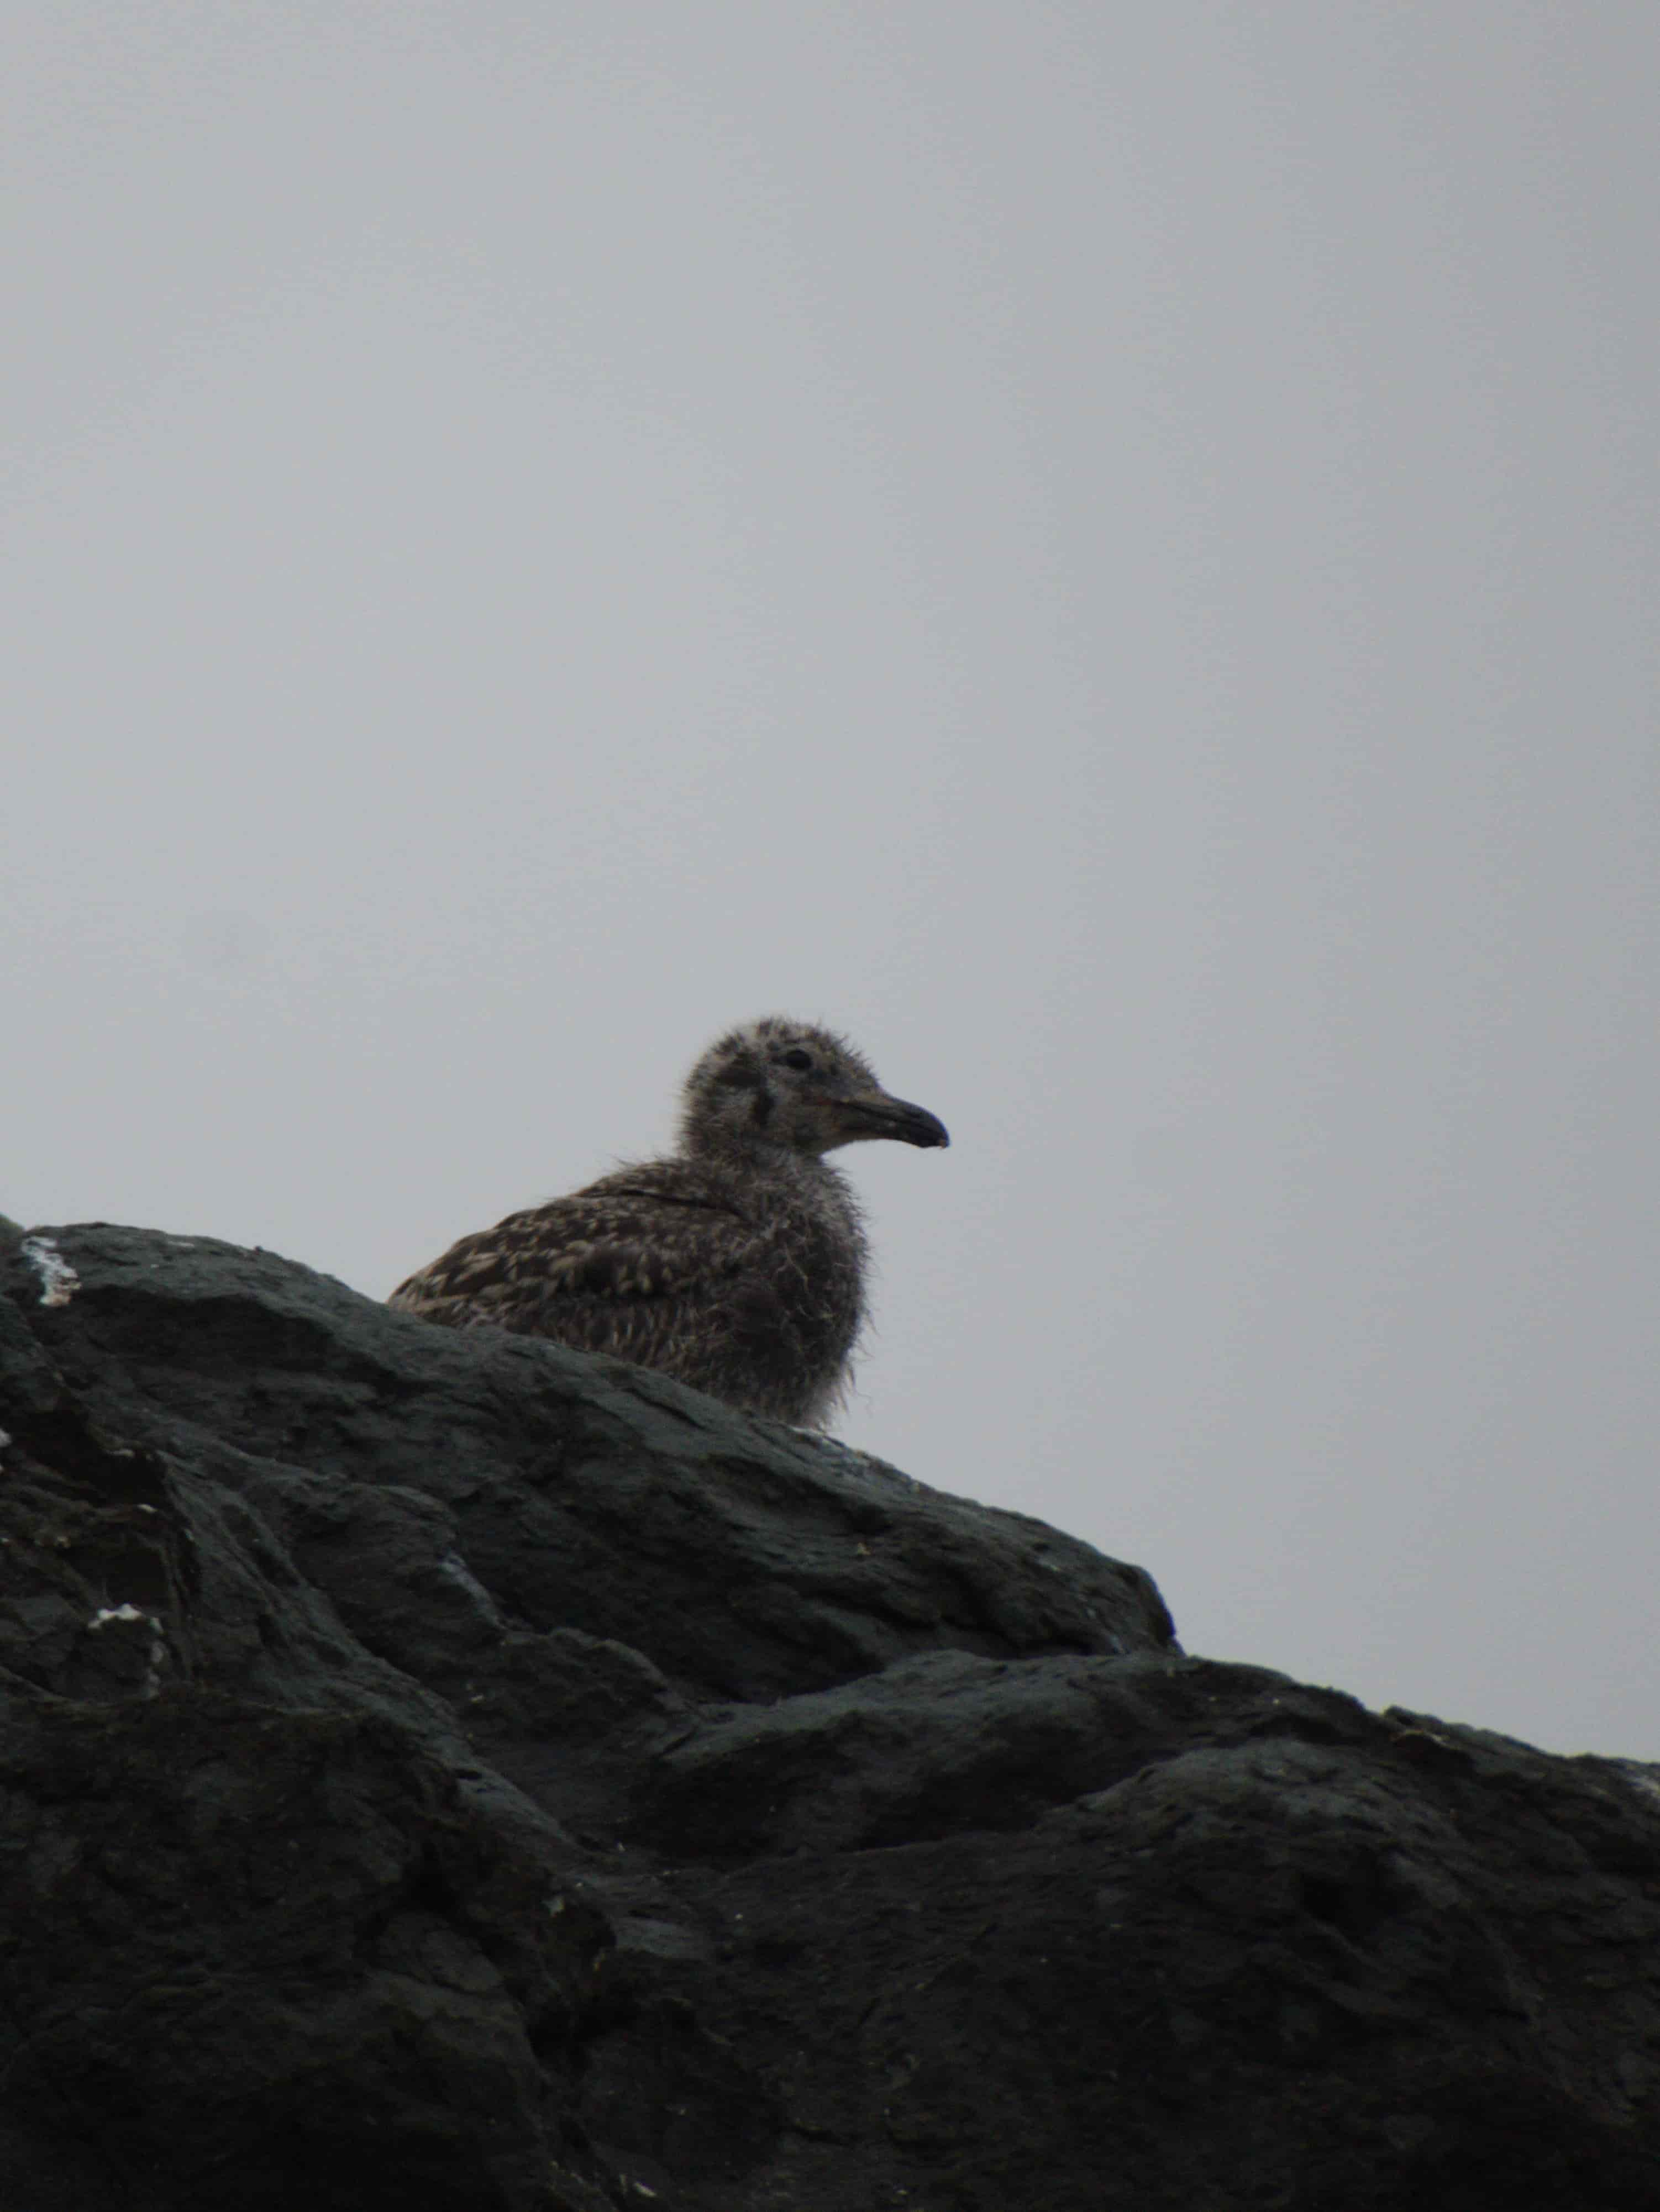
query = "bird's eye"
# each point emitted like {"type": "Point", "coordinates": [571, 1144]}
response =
{"type": "Point", "coordinates": [796, 1058]}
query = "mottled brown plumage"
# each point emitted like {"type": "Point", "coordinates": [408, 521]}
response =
{"type": "Point", "coordinates": [735, 1265]}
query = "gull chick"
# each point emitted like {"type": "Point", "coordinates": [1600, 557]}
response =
{"type": "Point", "coordinates": [736, 1264]}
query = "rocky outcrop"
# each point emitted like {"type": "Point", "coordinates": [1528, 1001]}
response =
{"type": "Point", "coordinates": [444, 1773]}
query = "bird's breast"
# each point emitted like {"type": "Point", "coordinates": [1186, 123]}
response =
{"type": "Point", "coordinates": [806, 1290]}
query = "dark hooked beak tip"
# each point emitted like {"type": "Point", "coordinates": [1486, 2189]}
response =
{"type": "Point", "coordinates": [925, 1129]}
{"type": "Point", "coordinates": [899, 1119]}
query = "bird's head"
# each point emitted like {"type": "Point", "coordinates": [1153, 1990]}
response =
{"type": "Point", "coordinates": [784, 1083]}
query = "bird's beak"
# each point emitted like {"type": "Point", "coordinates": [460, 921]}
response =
{"type": "Point", "coordinates": [873, 1113]}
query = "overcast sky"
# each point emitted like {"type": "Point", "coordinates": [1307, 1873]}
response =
{"type": "Point", "coordinates": [1108, 550]}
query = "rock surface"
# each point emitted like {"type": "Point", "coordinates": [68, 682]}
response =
{"type": "Point", "coordinates": [444, 1773]}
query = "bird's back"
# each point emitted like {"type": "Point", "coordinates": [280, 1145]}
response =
{"type": "Point", "coordinates": [741, 1278]}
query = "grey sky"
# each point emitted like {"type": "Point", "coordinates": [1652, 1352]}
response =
{"type": "Point", "coordinates": [1108, 551]}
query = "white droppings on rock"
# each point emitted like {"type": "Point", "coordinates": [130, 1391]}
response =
{"type": "Point", "coordinates": [106, 1613]}
{"type": "Point", "coordinates": [59, 1281]}
{"type": "Point", "coordinates": [157, 1655]}
{"type": "Point", "coordinates": [455, 1569]}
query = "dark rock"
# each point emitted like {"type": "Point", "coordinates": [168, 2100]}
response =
{"type": "Point", "coordinates": [440, 1770]}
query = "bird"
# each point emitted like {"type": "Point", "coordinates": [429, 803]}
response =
{"type": "Point", "coordinates": [736, 1264]}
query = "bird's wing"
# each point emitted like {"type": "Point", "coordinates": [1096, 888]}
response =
{"type": "Point", "coordinates": [621, 1240]}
